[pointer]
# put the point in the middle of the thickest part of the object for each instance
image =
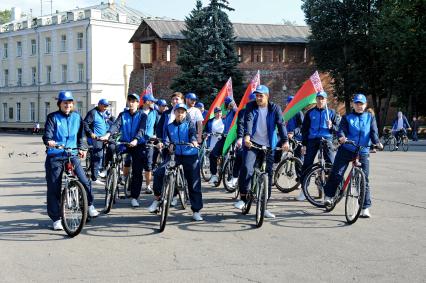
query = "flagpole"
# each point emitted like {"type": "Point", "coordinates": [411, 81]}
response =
{"type": "Point", "coordinates": [326, 109]}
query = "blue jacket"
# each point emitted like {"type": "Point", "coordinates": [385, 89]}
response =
{"type": "Point", "coordinates": [183, 132]}
{"type": "Point", "coordinates": [151, 123]}
{"type": "Point", "coordinates": [274, 121]}
{"type": "Point", "coordinates": [315, 124]}
{"type": "Point", "coordinates": [405, 123]}
{"type": "Point", "coordinates": [161, 129]}
{"type": "Point", "coordinates": [95, 123]}
{"type": "Point", "coordinates": [240, 123]}
{"type": "Point", "coordinates": [228, 120]}
{"type": "Point", "coordinates": [66, 130]}
{"type": "Point", "coordinates": [360, 128]}
{"type": "Point", "coordinates": [130, 126]}
{"type": "Point", "coordinates": [204, 114]}
{"type": "Point", "coordinates": [294, 125]}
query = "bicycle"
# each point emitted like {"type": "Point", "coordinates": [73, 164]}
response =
{"type": "Point", "coordinates": [204, 159]}
{"type": "Point", "coordinates": [285, 177]}
{"type": "Point", "coordinates": [174, 179]}
{"type": "Point", "coordinates": [228, 168]}
{"type": "Point", "coordinates": [74, 204]}
{"type": "Point", "coordinates": [317, 175]}
{"type": "Point", "coordinates": [388, 140]}
{"type": "Point", "coordinates": [401, 139]}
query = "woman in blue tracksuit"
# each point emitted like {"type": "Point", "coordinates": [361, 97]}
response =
{"type": "Point", "coordinates": [182, 130]}
{"type": "Point", "coordinates": [359, 126]}
{"type": "Point", "coordinates": [63, 128]}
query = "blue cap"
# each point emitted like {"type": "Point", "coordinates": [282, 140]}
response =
{"type": "Point", "coordinates": [290, 98]}
{"type": "Point", "coordinates": [322, 94]}
{"type": "Point", "coordinates": [104, 101]}
{"type": "Point", "coordinates": [360, 98]}
{"type": "Point", "coordinates": [217, 109]}
{"type": "Point", "coordinates": [134, 96]}
{"type": "Point", "coordinates": [149, 97]}
{"type": "Point", "coordinates": [191, 95]}
{"type": "Point", "coordinates": [65, 95]}
{"type": "Point", "coordinates": [262, 89]}
{"type": "Point", "coordinates": [161, 102]}
{"type": "Point", "coordinates": [228, 100]}
{"type": "Point", "coordinates": [199, 105]}
{"type": "Point", "coordinates": [252, 96]}
{"type": "Point", "coordinates": [180, 105]}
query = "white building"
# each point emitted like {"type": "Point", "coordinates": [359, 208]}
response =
{"type": "Point", "coordinates": [85, 50]}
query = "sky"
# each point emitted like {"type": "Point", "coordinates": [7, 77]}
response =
{"type": "Point", "coordinates": [246, 11]}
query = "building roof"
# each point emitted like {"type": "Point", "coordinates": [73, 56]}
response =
{"type": "Point", "coordinates": [267, 33]}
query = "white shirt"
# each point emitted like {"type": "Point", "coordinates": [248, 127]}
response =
{"type": "Point", "coordinates": [400, 124]}
{"type": "Point", "coordinates": [171, 117]}
{"type": "Point", "coordinates": [217, 127]}
{"type": "Point", "coordinates": [261, 135]}
{"type": "Point", "coordinates": [195, 115]}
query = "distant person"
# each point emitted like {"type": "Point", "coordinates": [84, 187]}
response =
{"type": "Point", "coordinates": [200, 106]}
{"type": "Point", "coordinates": [414, 128]}
{"type": "Point", "coordinates": [399, 127]}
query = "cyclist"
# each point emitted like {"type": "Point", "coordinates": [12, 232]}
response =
{"type": "Point", "coordinates": [399, 127]}
{"type": "Point", "coordinates": [131, 126]}
{"type": "Point", "coordinates": [261, 121]}
{"type": "Point", "coordinates": [168, 116]}
{"type": "Point", "coordinates": [96, 126]}
{"type": "Point", "coordinates": [64, 128]}
{"type": "Point", "coordinates": [359, 126]}
{"type": "Point", "coordinates": [319, 122]}
{"type": "Point", "coordinates": [182, 131]}
{"type": "Point", "coordinates": [200, 106]}
{"type": "Point", "coordinates": [195, 114]}
{"type": "Point", "coordinates": [162, 106]}
{"type": "Point", "coordinates": [151, 123]}
{"type": "Point", "coordinates": [214, 125]}
{"type": "Point", "coordinates": [217, 149]}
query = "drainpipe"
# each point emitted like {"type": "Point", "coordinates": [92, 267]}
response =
{"type": "Point", "coordinates": [87, 66]}
{"type": "Point", "coordinates": [38, 73]}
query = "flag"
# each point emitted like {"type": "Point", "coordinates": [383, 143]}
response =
{"type": "Point", "coordinates": [232, 134]}
{"type": "Point", "coordinates": [148, 90]}
{"type": "Point", "coordinates": [219, 101]}
{"type": "Point", "coordinates": [305, 95]}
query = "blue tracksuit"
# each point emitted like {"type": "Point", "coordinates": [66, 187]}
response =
{"type": "Point", "coordinates": [66, 130]}
{"type": "Point", "coordinates": [151, 124]}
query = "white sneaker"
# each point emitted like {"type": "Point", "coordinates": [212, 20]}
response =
{"type": "Point", "coordinates": [57, 225]}
{"type": "Point", "coordinates": [268, 214]}
{"type": "Point", "coordinates": [92, 211]}
{"type": "Point", "coordinates": [123, 180]}
{"type": "Point", "coordinates": [102, 174]}
{"type": "Point", "coordinates": [148, 190]}
{"type": "Point", "coordinates": [99, 182]}
{"type": "Point", "coordinates": [174, 201]}
{"type": "Point", "coordinates": [197, 216]}
{"type": "Point", "coordinates": [328, 201]}
{"type": "Point", "coordinates": [154, 206]}
{"type": "Point", "coordinates": [134, 202]}
{"type": "Point", "coordinates": [365, 213]}
{"type": "Point", "coordinates": [239, 204]}
{"type": "Point", "coordinates": [232, 183]}
{"type": "Point", "coordinates": [301, 196]}
{"type": "Point", "coordinates": [213, 180]}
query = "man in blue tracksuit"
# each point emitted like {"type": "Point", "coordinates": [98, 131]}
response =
{"type": "Point", "coordinates": [168, 116]}
{"type": "Point", "coordinates": [131, 125]}
{"type": "Point", "coordinates": [63, 128]}
{"type": "Point", "coordinates": [360, 127]}
{"type": "Point", "coordinates": [319, 122]}
{"type": "Point", "coordinates": [95, 126]}
{"type": "Point", "coordinates": [151, 123]}
{"type": "Point", "coordinates": [217, 150]}
{"type": "Point", "coordinates": [182, 130]}
{"type": "Point", "coordinates": [261, 121]}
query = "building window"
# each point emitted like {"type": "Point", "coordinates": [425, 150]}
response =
{"type": "Point", "coordinates": [80, 106]}
{"type": "Point", "coordinates": [261, 54]}
{"type": "Point", "coordinates": [10, 113]}
{"type": "Point", "coordinates": [19, 81]}
{"type": "Point", "coordinates": [63, 43]}
{"type": "Point", "coordinates": [168, 53]}
{"type": "Point", "coordinates": [64, 73]}
{"type": "Point", "coordinates": [304, 55]}
{"type": "Point", "coordinates": [33, 46]}
{"type": "Point", "coordinates": [48, 45]}
{"type": "Point", "coordinates": [284, 56]}
{"type": "Point", "coordinates": [5, 53]}
{"type": "Point", "coordinates": [46, 108]}
{"type": "Point", "coordinates": [240, 54]}
{"type": "Point", "coordinates": [79, 41]}
{"type": "Point", "coordinates": [6, 77]}
{"type": "Point", "coordinates": [18, 111]}
{"type": "Point", "coordinates": [48, 74]}
{"type": "Point", "coordinates": [33, 75]}
{"type": "Point", "coordinates": [32, 111]}
{"type": "Point", "coordinates": [80, 68]}
{"type": "Point", "coordinates": [4, 111]}
{"type": "Point", "coordinates": [19, 49]}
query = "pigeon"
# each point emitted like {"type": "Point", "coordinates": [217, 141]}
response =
{"type": "Point", "coordinates": [11, 154]}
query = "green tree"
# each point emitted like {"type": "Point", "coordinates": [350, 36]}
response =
{"type": "Point", "coordinates": [5, 16]}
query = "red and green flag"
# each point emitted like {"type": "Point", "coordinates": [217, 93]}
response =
{"type": "Point", "coordinates": [232, 134]}
{"type": "Point", "coordinates": [219, 101]}
{"type": "Point", "coordinates": [305, 95]}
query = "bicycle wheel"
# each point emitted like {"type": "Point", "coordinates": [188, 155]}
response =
{"type": "Point", "coordinates": [261, 199]}
{"type": "Point", "coordinates": [181, 186]}
{"type": "Point", "coordinates": [73, 208]}
{"type": "Point", "coordinates": [285, 177]}
{"type": "Point", "coordinates": [110, 189]}
{"type": "Point", "coordinates": [227, 175]}
{"type": "Point", "coordinates": [205, 167]}
{"type": "Point", "coordinates": [128, 184]}
{"type": "Point", "coordinates": [355, 194]}
{"type": "Point", "coordinates": [87, 167]}
{"type": "Point", "coordinates": [404, 143]}
{"type": "Point", "coordinates": [313, 184]}
{"type": "Point", "coordinates": [392, 143]}
{"type": "Point", "coordinates": [250, 195]}
{"type": "Point", "coordinates": [166, 199]}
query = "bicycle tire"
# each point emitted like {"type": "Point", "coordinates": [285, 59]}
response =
{"type": "Point", "coordinates": [128, 184]}
{"type": "Point", "coordinates": [205, 168]}
{"type": "Point", "coordinates": [404, 143]}
{"type": "Point", "coordinates": [227, 175]}
{"type": "Point", "coordinates": [282, 171]}
{"type": "Point", "coordinates": [392, 143]}
{"type": "Point", "coordinates": [219, 173]}
{"type": "Point", "coordinates": [261, 200]}
{"type": "Point", "coordinates": [110, 189]}
{"type": "Point", "coordinates": [182, 188]}
{"type": "Point", "coordinates": [320, 174]}
{"type": "Point", "coordinates": [74, 227]}
{"type": "Point", "coordinates": [166, 199]}
{"type": "Point", "coordinates": [356, 191]}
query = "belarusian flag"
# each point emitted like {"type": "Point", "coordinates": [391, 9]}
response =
{"type": "Point", "coordinates": [232, 134]}
{"type": "Point", "coordinates": [148, 90]}
{"type": "Point", "coordinates": [219, 101]}
{"type": "Point", "coordinates": [305, 95]}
